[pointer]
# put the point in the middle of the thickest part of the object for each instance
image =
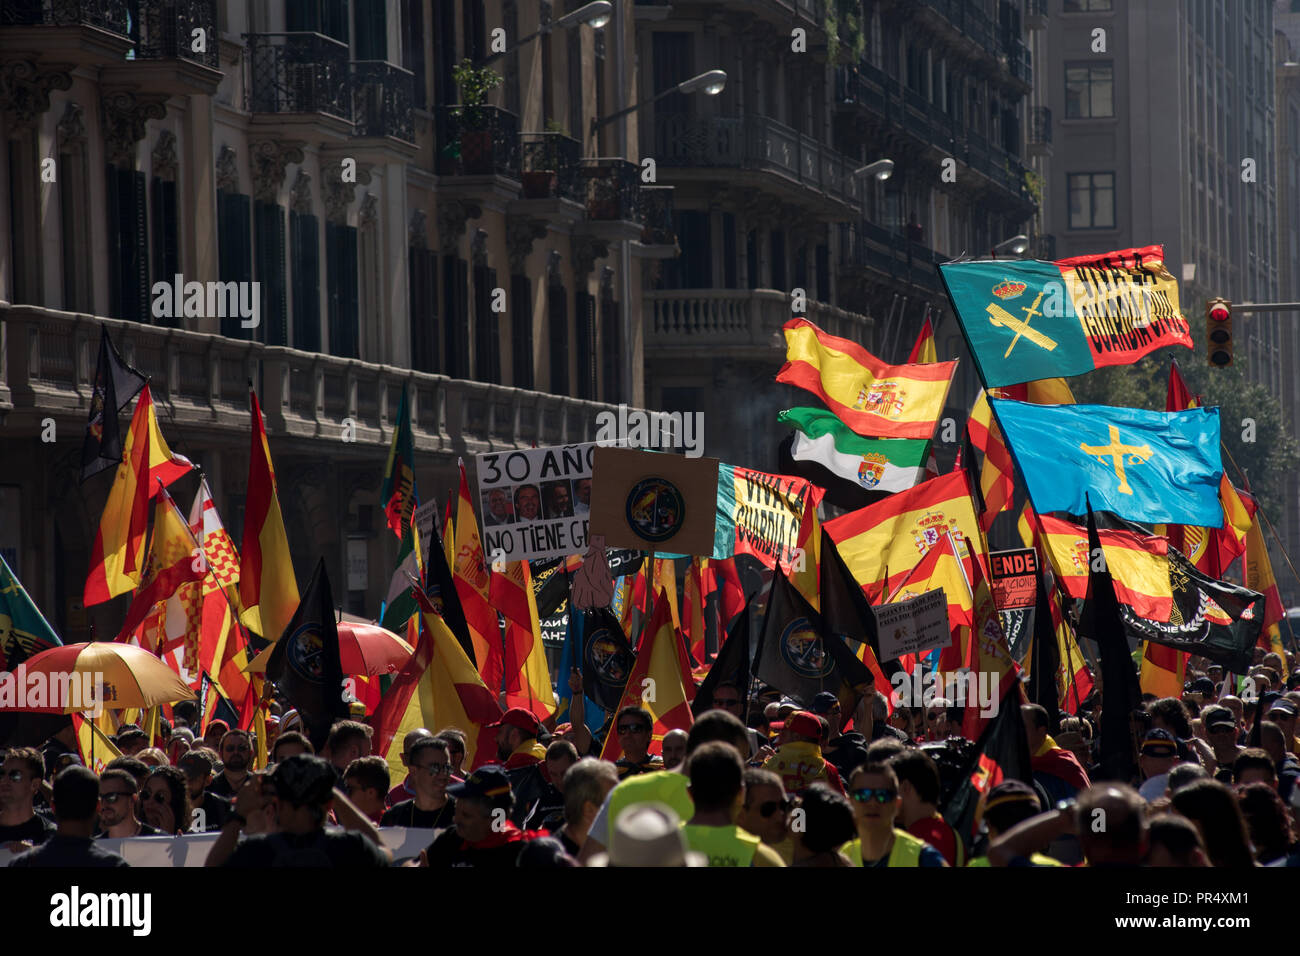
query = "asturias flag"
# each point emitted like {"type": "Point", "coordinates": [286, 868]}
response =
{"type": "Point", "coordinates": [1028, 320]}
{"type": "Point", "coordinates": [1140, 465]}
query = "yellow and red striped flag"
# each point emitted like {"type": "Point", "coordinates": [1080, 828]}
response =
{"type": "Point", "coordinates": [527, 680]}
{"type": "Point", "coordinates": [268, 588]}
{"type": "Point", "coordinates": [1258, 576]}
{"type": "Point", "coordinates": [472, 578]}
{"type": "Point", "coordinates": [660, 682]}
{"type": "Point", "coordinates": [923, 350]}
{"type": "Point", "coordinates": [94, 746]}
{"type": "Point", "coordinates": [1164, 670]}
{"type": "Point", "coordinates": [872, 398]}
{"type": "Point", "coordinates": [172, 563]}
{"type": "Point", "coordinates": [996, 482]}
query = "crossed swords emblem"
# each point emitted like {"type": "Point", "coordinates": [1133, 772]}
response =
{"type": "Point", "coordinates": [1003, 319]}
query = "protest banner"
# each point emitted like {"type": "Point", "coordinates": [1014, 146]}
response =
{"type": "Point", "coordinates": [760, 514]}
{"type": "Point", "coordinates": [1013, 575]}
{"type": "Point", "coordinates": [654, 501]}
{"type": "Point", "coordinates": [535, 501]}
{"type": "Point", "coordinates": [909, 627]}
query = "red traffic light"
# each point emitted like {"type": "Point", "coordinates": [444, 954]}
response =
{"type": "Point", "coordinates": [1219, 312]}
{"type": "Point", "coordinates": [1218, 332]}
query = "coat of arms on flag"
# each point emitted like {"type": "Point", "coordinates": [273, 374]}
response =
{"type": "Point", "coordinates": [881, 398]}
{"type": "Point", "coordinates": [872, 469]}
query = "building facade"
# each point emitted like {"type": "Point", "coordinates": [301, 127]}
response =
{"type": "Point", "coordinates": [406, 224]}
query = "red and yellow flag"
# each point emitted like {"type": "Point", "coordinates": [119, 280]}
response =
{"type": "Point", "coordinates": [117, 556]}
{"type": "Point", "coordinates": [693, 606]}
{"type": "Point", "coordinates": [1258, 575]}
{"type": "Point", "coordinates": [665, 582]}
{"type": "Point", "coordinates": [996, 482]}
{"type": "Point", "coordinates": [660, 682]}
{"type": "Point", "coordinates": [872, 398]}
{"type": "Point", "coordinates": [268, 589]}
{"type": "Point", "coordinates": [528, 682]}
{"type": "Point", "coordinates": [172, 563]}
{"type": "Point", "coordinates": [438, 687]}
{"type": "Point", "coordinates": [1139, 564]}
{"type": "Point", "coordinates": [940, 568]}
{"type": "Point", "coordinates": [220, 593]}
{"type": "Point", "coordinates": [95, 748]}
{"type": "Point", "coordinates": [923, 350]}
{"type": "Point", "coordinates": [472, 577]}
{"type": "Point", "coordinates": [1164, 670]}
{"type": "Point", "coordinates": [988, 653]}
{"type": "Point", "coordinates": [895, 533]}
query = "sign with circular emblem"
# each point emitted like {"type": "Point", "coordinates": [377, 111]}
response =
{"type": "Point", "coordinates": [656, 510]}
{"type": "Point", "coordinates": [306, 653]}
{"type": "Point", "coordinates": [801, 648]}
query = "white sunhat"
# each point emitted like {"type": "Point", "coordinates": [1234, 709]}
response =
{"type": "Point", "coordinates": [648, 834]}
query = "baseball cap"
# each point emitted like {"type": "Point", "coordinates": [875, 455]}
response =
{"type": "Point", "coordinates": [517, 717]}
{"type": "Point", "coordinates": [1202, 685]}
{"type": "Point", "coordinates": [1218, 718]}
{"type": "Point", "coordinates": [303, 780]}
{"type": "Point", "coordinates": [786, 707]}
{"type": "Point", "coordinates": [486, 783]}
{"type": "Point", "coordinates": [803, 724]}
{"type": "Point", "coordinates": [648, 834]}
{"type": "Point", "coordinates": [1159, 743]}
{"type": "Point", "coordinates": [128, 732]}
{"type": "Point", "coordinates": [1284, 706]}
{"type": "Point", "coordinates": [824, 702]}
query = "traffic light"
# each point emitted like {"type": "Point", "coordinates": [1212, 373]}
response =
{"type": "Point", "coordinates": [1218, 332]}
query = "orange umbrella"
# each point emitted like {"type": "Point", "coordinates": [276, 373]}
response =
{"type": "Point", "coordinates": [78, 677]}
{"type": "Point", "coordinates": [364, 648]}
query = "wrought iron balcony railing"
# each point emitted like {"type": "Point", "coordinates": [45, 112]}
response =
{"type": "Point", "coordinates": [1040, 125]}
{"type": "Point", "coordinates": [381, 100]}
{"type": "Point", "coordinates": [108, 15]}
{"type": "Point", "coordinates": [612, 186]}
{"type": "Point", "coordinates": [739, 319]}
{"type": "Point", "coordinates": [165, 29]}
{"type": "Point", "coordinates": [477, 141]}
{"type": "Point", "coordinates": [656, 216]}
{"type": "Point", "coordinates": [866, 245]}
{"type": "Point", "coordinates": [298, 73]}
{"type": "Point", "coordinates": [552, 166]}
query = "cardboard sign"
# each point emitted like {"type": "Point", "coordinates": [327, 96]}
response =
{"type": "Point", "coordinates": [654, 501]}
{"type": "Point", "coordinates": [1014, 578]}
{"type": "Point", "coordinates": [908, 627]}
{"type": "Point", "coordinates": [535, 501]}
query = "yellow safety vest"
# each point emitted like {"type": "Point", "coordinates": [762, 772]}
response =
{"type": "Point", "coordinates": [724, 846]}
{"type": "Point", "coordinates": [1038, 859]}
{"type": "Point", "coordinates": [906, 850]}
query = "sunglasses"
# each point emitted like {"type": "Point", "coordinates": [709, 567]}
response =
{"type": "Point", "coordinates": [867, 794]}
{"type": "Point", "coordinates": [769, 807]}
{"type": "Point", "coordinates": [112, 798]}
{"type": "Point", "coordinates": [160, 797]}
{"type": "Point", "coordinates": [633, 729]}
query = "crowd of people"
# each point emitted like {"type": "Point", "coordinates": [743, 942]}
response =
{"type": "Point", "coordinates": [1215, 785]}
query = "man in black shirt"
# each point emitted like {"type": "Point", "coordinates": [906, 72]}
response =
{"type": "Point", "coordinates": [366, 784]}
{"type": "Point", "coordinates": [236, 755]}
{"type": "Point", "coordinates": [303, 793]}
{"type": "Point", "coordinates": [209, 810]}
{"type": "Point", "coordinates": [21, 827]}
{"type": "Point", "coordinates": [118, 805]}
{"type": "Point", "coordinates": [76, 798]}
{"type": "Point", "coordinates": [483, 834]}
{"type": "Point", "coordinates": [431, 808]}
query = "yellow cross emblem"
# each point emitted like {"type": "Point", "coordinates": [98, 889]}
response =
{"type": "Point", "coordinates": [1116, 451]}
{"type": "Point", "coordinates": [1001, 318]}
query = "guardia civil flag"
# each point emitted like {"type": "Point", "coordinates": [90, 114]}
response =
{"type": "Point", "coordinates": [659, 682]}
{"type": "Point", "coordinates": [1026, 320]}
{"type": "Point", "coordinates": [268, 589]}
{"type": "Point", "coordinates": [471, 574]}
{"type": "Point", "coordinates": [117, 556]}
{"type": "Point", "coordinates": [398, 491]}
{"type": "Point", "coordinates": [1140, 465]}
{"type": "Point", "coordinates": [872, 398]}
{"type": "Point", "coordinates": [527, 681]}
{"type": "Point", "coordinates": [875, 464]}
{"type": "Point", "coordinates": [894, 534]}
{"type": "Point", "coordinates": [23, 628]}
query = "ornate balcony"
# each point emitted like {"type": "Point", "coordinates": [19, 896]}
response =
{"type": "Point", "coordinates": [298, 78]}
{"type": "Point", "coordinates": [107, 15]}
{"type": "Point", "coordinates": [552, 167]}
{"type": "Point", "coordinates": [382, 95]}
{"type": "Point", "coordinates": [200, 382]}
{"type": "Point", "coordinates": [656, 216]}
{"type": "Point", "coordinates": [165, 30]}
{"type": "Point", "coordinates": [735, 322]}
{"type": "Point", "coordinates": [84, 32]}
{"type": "Point", "coordinates": [611, 189]}
{"type": "Point", "coordinates": [477, 141]}
{"type": "Point", "coordinates": [867, 248]}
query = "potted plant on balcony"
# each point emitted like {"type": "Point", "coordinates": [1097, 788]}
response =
{"type": "Point", "coordinates": [603, 202]}
{"type": "Point", "coordinates": [542, 180]}
{"type": "Point", "coordinates": [475, 141]}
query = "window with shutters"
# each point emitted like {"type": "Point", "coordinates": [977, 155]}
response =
{"type": "Point", "coordinates": [74, 210]}
{"type": "Point", "coordinates": [778, 259]}
{"type": "Point", "coordinates": [693, 269]}
{"type": "Point", "coordinates": [611, 347]}
{"type": "Point", "coordinates": [557, 318]}
{"type": "Point", "coordinates": [487, 335]}
{"type": "Point", "coordinates": [234, 253]}
{"type": "Point", "coordinates": [371, 29]}
{"type": "Point", "coordinates": [268, 248]}
{"type": "Point", "coordinates": [444, 59]}
{"type": "Point", "coordinates": [341, 288]}
{"type": "Point", "coordinates": [455, 298]}
{"type": "Point", "coordinates": [128, 251]}
{"type": "Point", "coordinates": [163, 228]}
{"type": "Point", "coordinates": [521, 331]}
{"type": "Point", "coordinates": [413, 47]}
{"type": "Point", "coordinates": [423, 277]}
{"type": "Point", "coordinates": [304, 256]}
{"type": "Point", "coordinates": [584, 319]}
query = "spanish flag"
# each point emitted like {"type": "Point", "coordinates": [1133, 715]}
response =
{"type": "Point", "coordinates": [940, 568]}
{"type": "Point", "coordinates": [895, 533]}
{"type": "Point", "coordinates": [94, 746]}
{"type": "Point", "coordinates": [923, 351]}
{"type": "Point", "coordinates": [1043, 391]}
{"type": "Point", "coordinates": [693, 607]}
{"type": "Point", "coordinates": [1164, 670]}
{"type": "Point", "coordinates": [665, 581]}
{"type": "Point", "coordinates": [1258, 573]}
{"type": "Point", "coordinates": [268, 589]}
{"type": "Point", "coordinates": [1178, 397]}
{"type": "Point", "coordinates": [438, 687]}
{"type": "Point", "coordinates": [472, 577]}
{"type": "Point", "coordinates": [1139, 565]}
{"type": "Point", "coordinates": [806, 578]}
{"type": "Point", "coordinates": [658, 682]}
{"type": "Point", "coordinates": [528, 683]}
{"type": "Point", "coordinates": [988, 653]}
{"type": "Point", "coordinates": [872, 398]}
{"type": "Point", "coordinates": [117, 556]}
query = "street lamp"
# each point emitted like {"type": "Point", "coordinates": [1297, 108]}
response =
{"type": "Point", "coordinates": [882, 169]}
{"type": "Point", "coordinates": [710, 84]}
{"type": "Point", "coordinates": [1016, 246]}
{"type": "Point", "coordinates": [595, 15]}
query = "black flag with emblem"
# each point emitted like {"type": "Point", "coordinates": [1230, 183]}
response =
{"type": "Point", "coordinates": [607, 657]}
{"type": "Point", "coordinates": [305, 662]}
{"type": "Point", "coordinates": [116, 383]}
{"type": "Point", "coordinates": [731, 665]}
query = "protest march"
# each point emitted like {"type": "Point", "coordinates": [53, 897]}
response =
{"type": "Point", "coordinates": [747, 674]}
